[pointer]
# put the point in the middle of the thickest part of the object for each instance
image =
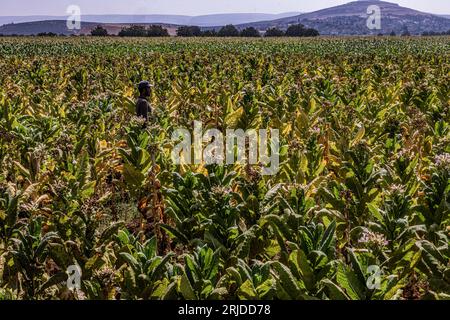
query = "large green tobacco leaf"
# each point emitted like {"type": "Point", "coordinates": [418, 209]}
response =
{"type": "Point", "coordinates": [286, 281]}
{"type": "Point", "coordinates": [349, 282]}
{"type": "Point", "coordinates": [133, 177]}
{"type": "Point", "coordinates": [300, 261]}
{"type": "Point", "coordinates": [247, 291]}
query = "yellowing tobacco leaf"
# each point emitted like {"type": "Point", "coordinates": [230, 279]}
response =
{"type": "Point", "coordinates": [359, 135]}
{"type": "Point", "coordinates": [287, 129]}
{"type": "Point", "coordinates": [233, 118]}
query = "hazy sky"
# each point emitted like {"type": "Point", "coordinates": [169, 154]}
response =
{"type": "Point", "coordinates": [191, 7]}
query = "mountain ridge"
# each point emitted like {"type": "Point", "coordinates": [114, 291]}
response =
{"type": "Point", "coordinates": [351, 19]}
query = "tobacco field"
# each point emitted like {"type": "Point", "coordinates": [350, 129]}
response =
{"type": "Point", "coordinates": [359, 209]}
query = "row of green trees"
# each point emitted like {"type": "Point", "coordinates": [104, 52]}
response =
{"type": "Point", "coordinates": [226, 31]}
{"type": "Point", "coordinates": [297, 30]}
{"type": "Point", "coordinates": [141, 31]}
{"type": "Point", "coordinates": [134, 31]}
{"type": "Point", "coordinates": [230, 30]}
{"type": "Point", "coordinates": [432, 33]}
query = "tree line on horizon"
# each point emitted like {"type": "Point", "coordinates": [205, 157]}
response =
{"type": "Point", "coordinates": [297, 30]}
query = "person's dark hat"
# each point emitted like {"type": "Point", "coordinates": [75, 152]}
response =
{"type": "Point", "coordinates": [144, 84]}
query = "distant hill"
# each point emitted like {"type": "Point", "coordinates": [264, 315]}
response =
{"type": "Point", "coordinates": [60, 27]}
{"type": "Point", "coordinates": [14, 19]}
{"type": "Point", "coordinates": [203, 21]}
{"type": "Point", "coordinates": [29, 28]}
{"type": "Point", "coordinates": [237, 18]}
{"type": "Point", "coordinates": [351, 19]}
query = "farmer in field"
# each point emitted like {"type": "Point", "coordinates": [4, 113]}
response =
{"type": "Point", "coordinates": [143, 108]}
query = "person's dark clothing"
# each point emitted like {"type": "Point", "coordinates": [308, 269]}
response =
{"type": "Point", "coordinates": [143, 108]}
